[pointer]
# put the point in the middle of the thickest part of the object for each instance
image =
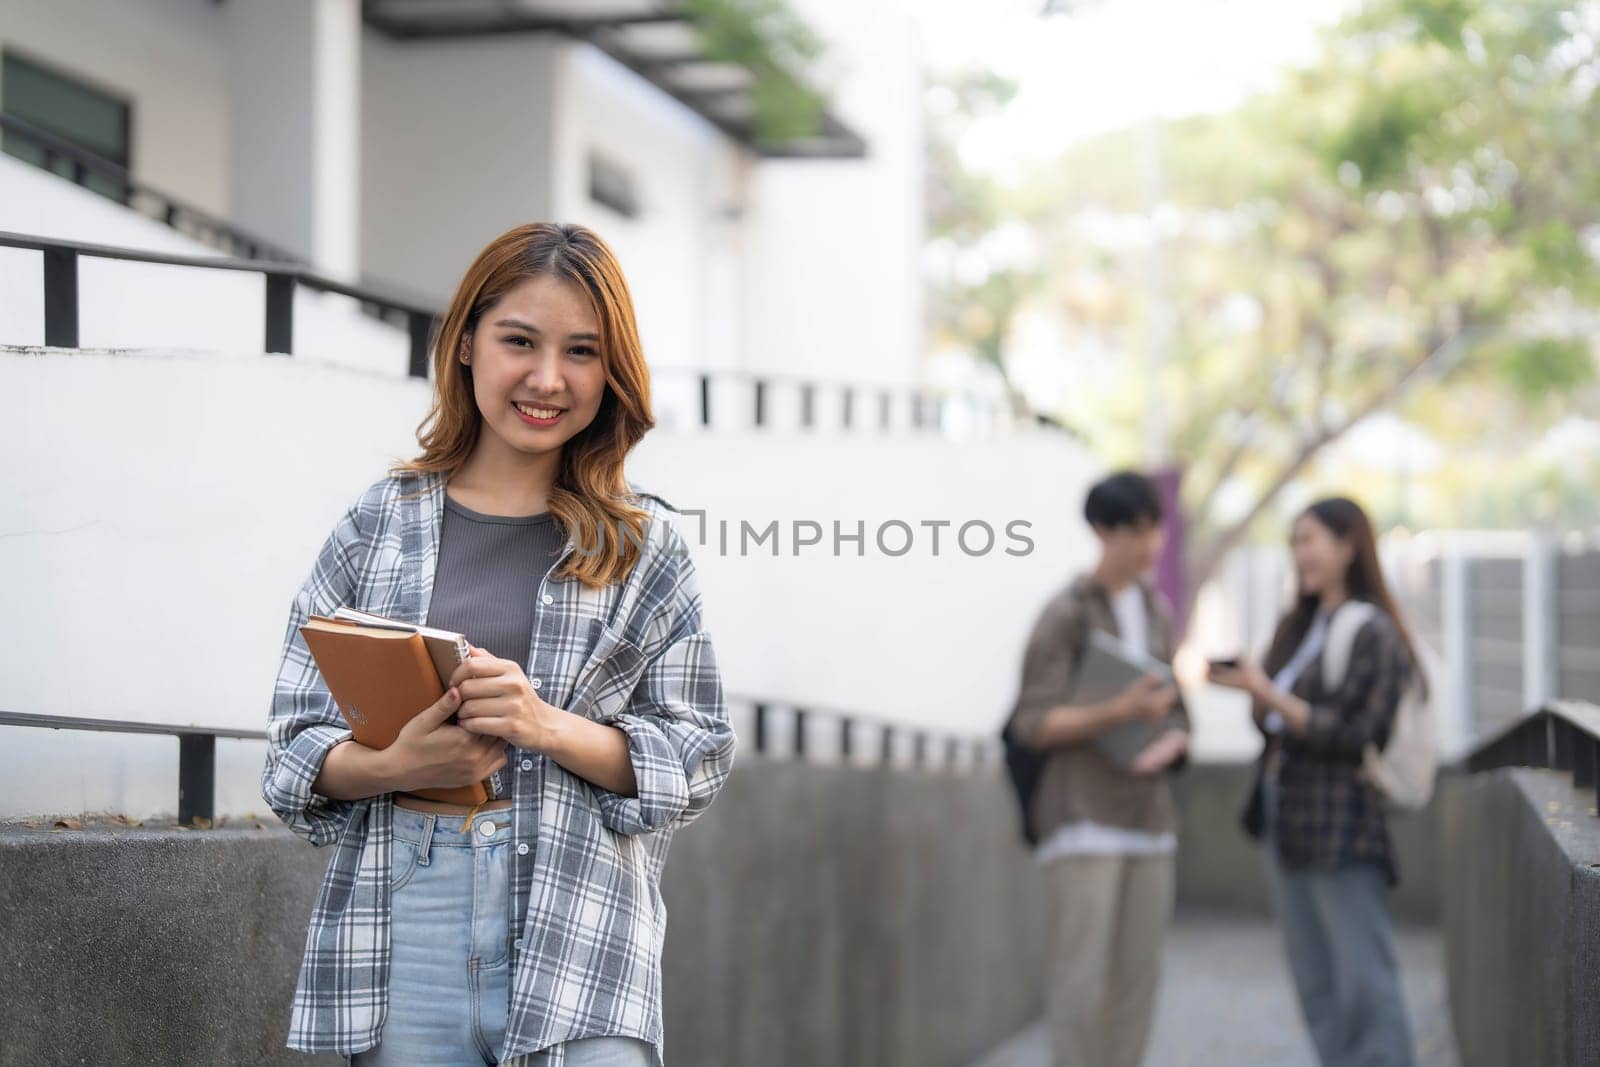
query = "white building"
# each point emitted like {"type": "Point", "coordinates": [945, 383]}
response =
{"type": "Point", "coordinates": [392, 143]}
{"type": "Point", "coordinates": [178, 479]}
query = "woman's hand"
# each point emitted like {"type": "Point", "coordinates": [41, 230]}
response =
{"type": "Point", "coordinates": [427, 753]}
{"type": "Point", "coordinates": [430, 753]}
{"type": "Point", "coordinates": [1266, 697]}
{"type": "Point", "coordinates": [497, 702]}
{"type": "Point", "coordinates": [500, 704]}
{"type": "Point", "coordinates": [1246, 677]}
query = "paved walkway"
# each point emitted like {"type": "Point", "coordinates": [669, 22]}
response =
{"type": "Point", "coordinates": [1226, 998]}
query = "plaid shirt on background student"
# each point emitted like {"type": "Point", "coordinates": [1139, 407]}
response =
{"type": "Point", "coordinates": [587, 864]}
{"type": "Point", "coordinates": [1328, 817]}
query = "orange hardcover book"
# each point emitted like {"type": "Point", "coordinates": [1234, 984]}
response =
{"type": "Point", "coordinates": [381, 673]}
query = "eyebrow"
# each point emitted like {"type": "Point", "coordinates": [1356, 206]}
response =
{"type": "Point", "coordinates": [531, 328]}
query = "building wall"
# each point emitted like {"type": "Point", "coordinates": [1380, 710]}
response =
{"type": "Point", "coordinates": [294, 90]}
{"type": "Point", "coordinates": [174, 501]}
{"type": "Point", "coordinates": [186, 443]}
{"type": "Point", "coordinates": [804, 267]}
{"type": "Point", "coordinates": [456, 149]}
{"type": "Point", "coordinates": [833, 286]}
{"type": "Point", "coordinates": [678, 249]}
{"type": "Point", "coordinates": [169, 56]}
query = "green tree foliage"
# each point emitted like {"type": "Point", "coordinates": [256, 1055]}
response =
{"type": "Point", "coordinates": [1410, 223]}
{"type": "Point", "coordinates": [767, 39]}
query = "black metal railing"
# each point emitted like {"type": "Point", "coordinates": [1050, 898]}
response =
{"type": "Point", "coordinates": [100, 175]}
{"type": "Point", "coordinates": [61, 317]}
{"type": "Point", "coordinates": [197, 745]}
{"type": "Point", "coordinates": [61, 292]}
{"type": "Point", "coordinates": [925, 407]}
{"type": "Point", "coordinates": [855, 738]}
{"type": "Point", "coordinates": [1563, 735]}
{"type": "Point", "coordinates": [283, 270]}
{"type": "Point", "coordinates": [197, 753]}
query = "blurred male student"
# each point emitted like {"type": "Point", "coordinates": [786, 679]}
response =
{"type": "Point", "coordinates": [1106, 833]}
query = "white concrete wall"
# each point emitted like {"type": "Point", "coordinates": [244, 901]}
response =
{"type": "Point", "coordinates": [166, 507]}
{"type": "Point", "coordinates": [832, 267]}
{"type": "Point", "coordinates": [294, 84]}
{"type": "Point", "coordinates": [41, 204]}
{"type": "Point", "coordinates": [169, 56]}
{"type": "Point", "coordinates": [681, 252]}
{"type": "Point", "coordinates": [455, 150]}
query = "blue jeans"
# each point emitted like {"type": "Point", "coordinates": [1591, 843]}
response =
{"type": "Point", "coordinates": [1338, 938]}
{"type": "Point", "coordinates": [450, 960]}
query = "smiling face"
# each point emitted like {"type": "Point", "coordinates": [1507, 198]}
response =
{"type": "Point", "coordinates": [537, 374]}
{"type": "Point", "coordinates": [1321, 557]}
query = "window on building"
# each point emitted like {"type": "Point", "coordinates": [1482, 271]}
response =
{"type": "Point", "coordinates": [87, 117]}
{"type": "Point", "coordinates": [612, 184]}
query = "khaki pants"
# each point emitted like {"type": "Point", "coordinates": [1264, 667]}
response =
{"type": "Point", "coordinates": [1108, 917]}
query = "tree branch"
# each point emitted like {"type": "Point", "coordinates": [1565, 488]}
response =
{"type": "Point", "coordinates": [1209, 553]}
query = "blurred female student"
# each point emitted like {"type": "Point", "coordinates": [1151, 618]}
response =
{"type": "Point", "coordinates": [1328, 849]}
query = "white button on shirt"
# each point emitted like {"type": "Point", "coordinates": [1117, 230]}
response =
{"type": "Point", "coordinates": [548, 599]}
{"type": "Point", "coordinates": [536, 683]}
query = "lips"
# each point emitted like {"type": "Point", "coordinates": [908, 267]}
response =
{"type": "Point", "coordinates": [536, 415]}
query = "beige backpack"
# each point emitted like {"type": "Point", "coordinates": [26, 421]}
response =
{"type": "Point", "coordinates": [1404, 769]}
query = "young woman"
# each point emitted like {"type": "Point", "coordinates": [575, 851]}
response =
{"type": "Point", "coordinates": [1328, 849]}
{"type": "Point", "coordinates": [527, 929]}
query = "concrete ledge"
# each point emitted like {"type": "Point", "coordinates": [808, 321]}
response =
{"type": "Point", "coordinates": [839, 915]}
{"type": "Point", "coordinates": [817, 915]}
{"type": "Point", "coordinates": [152, 946]}
{"type": "Point", "coordinates": [1220, 868]}
{"type": "Point", "coordinates": [1521, 916]}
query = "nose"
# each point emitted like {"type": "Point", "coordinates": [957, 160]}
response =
{"type": "Point", "coordinates": [544, 377]}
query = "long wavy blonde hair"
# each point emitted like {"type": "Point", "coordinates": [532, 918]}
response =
{"type": "Point", "coordinates": [590, 497]}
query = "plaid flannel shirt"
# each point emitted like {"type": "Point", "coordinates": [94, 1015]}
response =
{"type": "Point", "coordinates": [1328, 816]}
{"type": "Point", "coordinates": [587, 961]}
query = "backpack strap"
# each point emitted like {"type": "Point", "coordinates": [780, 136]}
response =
{"type": "Point", "coordinates": [1348, 619]}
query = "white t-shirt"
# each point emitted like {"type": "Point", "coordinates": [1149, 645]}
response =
{"type": "Point", "coordinates": [1128, 606]}
{"type": "Point", "coordinates": [1085, 837]}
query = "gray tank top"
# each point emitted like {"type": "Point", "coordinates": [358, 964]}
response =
{"type": "Point", "coordinates": [487, 584]}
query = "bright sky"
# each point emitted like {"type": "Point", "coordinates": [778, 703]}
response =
{"type": "Point", "coordinates": [1113, 62]}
